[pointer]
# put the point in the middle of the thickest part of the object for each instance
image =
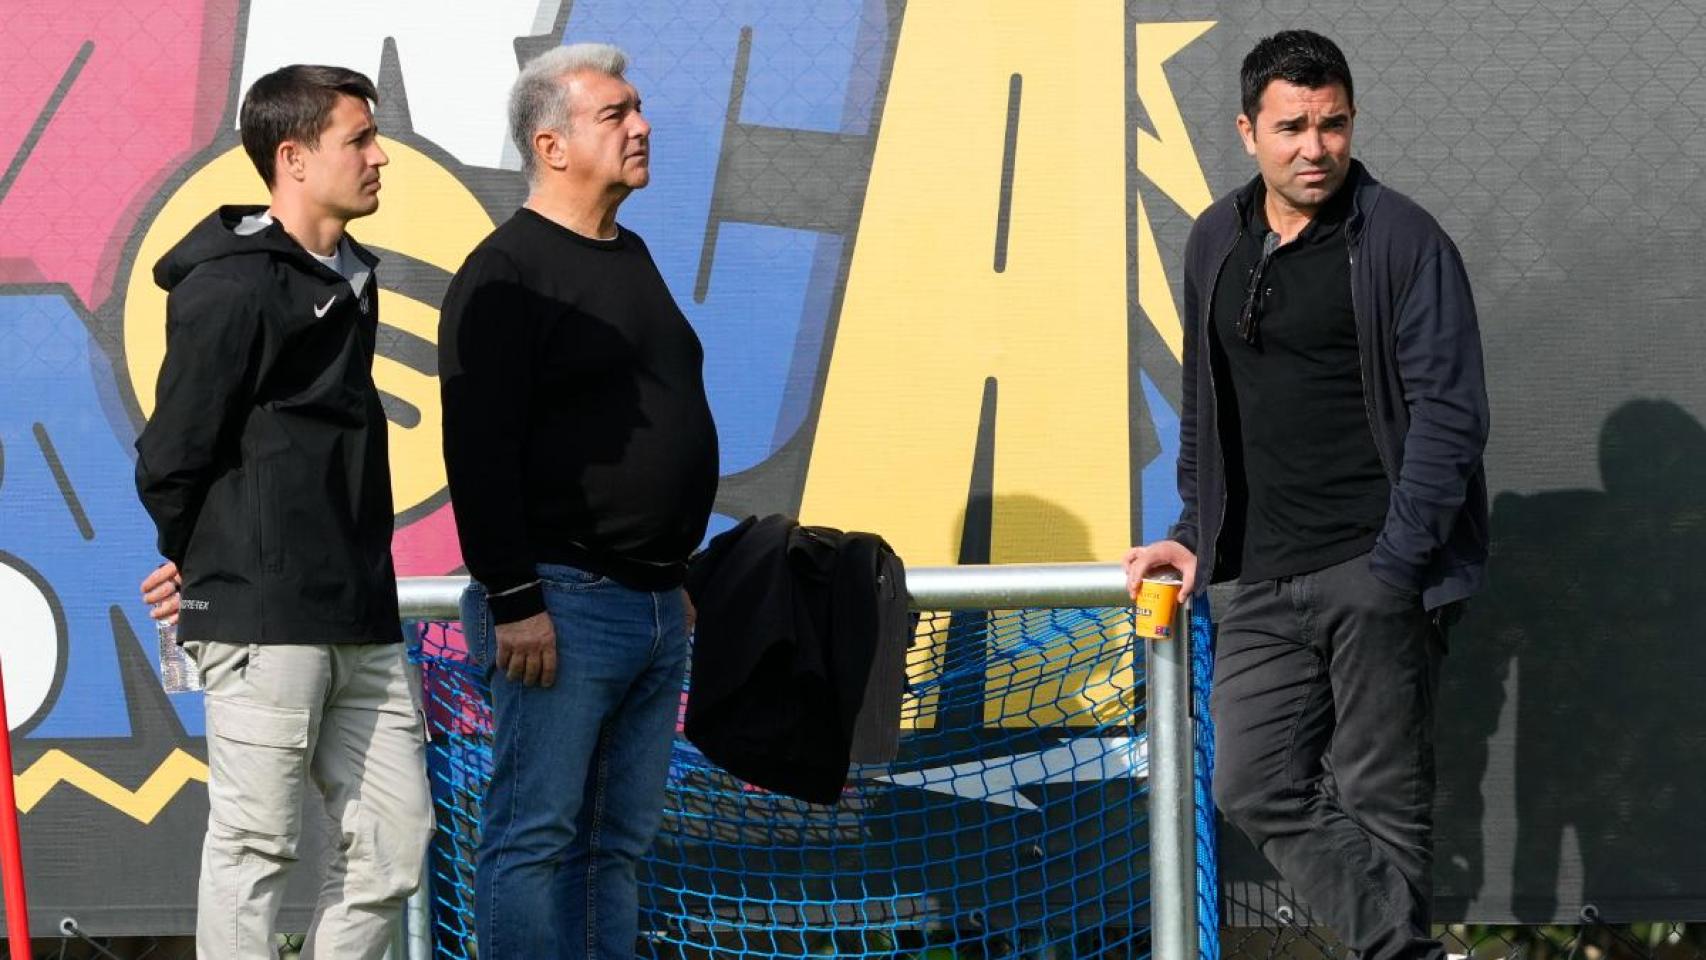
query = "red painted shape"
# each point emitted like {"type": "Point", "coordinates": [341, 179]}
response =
{"type": "Point", "coordinates": [427, 547]}
{"type": "Point", "coordinates": [11, 846]}
{"type": "Point", "coordinates": [152, 92]}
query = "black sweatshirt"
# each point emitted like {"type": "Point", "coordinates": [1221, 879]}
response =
{"type": "Point", "coordinates": [1314, 491]}
{"type": "Point", "coordinates": [576, 427]}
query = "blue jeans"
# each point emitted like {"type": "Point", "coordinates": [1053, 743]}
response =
{"type": "Point", "coordinates": [578, 769]}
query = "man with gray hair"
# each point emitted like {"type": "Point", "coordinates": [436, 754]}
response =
{"type": "Point", "coordinates": [582, 462]}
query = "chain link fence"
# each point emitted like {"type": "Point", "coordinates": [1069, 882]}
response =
{"type": "Point", "coordinates": [1587, 941]}
{"type": "Point", "coordinates": [1562, 145]}
{"type": "Point", "coordinates": [109, 948]}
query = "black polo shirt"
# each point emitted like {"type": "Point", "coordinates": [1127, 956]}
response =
{"type": "Point", "coordinates": [1306, 488]}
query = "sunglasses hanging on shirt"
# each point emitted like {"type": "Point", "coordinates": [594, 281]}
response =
{"type": "Point", "coordinates": [1251, 314]}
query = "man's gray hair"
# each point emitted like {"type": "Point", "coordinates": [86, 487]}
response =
{"type": "Point", "coordinates": [536, 101]}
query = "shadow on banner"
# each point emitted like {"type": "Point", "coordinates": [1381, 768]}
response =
{"type": "Point", "coordinates": [1569, 733]}
{"type": "Point", "coordinates": [1572, 692]}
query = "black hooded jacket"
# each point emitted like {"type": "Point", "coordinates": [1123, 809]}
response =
{"type": "Point", "coordinates": [264, 465]}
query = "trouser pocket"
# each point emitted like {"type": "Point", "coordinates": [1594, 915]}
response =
{"type": "Point", "coordinates": [257, 756]}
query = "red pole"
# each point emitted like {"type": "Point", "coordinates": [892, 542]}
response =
{"type": "Point", "coordinates": [11, 848]}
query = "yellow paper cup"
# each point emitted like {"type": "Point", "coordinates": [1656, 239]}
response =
{"type": "Point", "coordinates": [1157, 602]}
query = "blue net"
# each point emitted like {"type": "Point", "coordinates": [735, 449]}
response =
{"type": "Point", "coordinates": [1013, 822]}
{"type": "Point", "coordinates": [1202, 765]}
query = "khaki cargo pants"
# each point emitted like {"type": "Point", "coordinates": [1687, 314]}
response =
{"type": "Point", "coordinates": [346, 717]}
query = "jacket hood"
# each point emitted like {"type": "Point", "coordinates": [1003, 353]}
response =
{"type": "Point", "coordinates": [236, 230]}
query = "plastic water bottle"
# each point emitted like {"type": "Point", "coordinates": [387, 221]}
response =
{"type": "Point", "coordinates": [178, 673]}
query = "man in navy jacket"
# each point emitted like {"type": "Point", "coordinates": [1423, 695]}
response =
{"type": "Point", "coordinates": [1334, 415]}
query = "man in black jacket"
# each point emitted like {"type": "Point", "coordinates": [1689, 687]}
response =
{"type": "Point", "coordinates": [582, 462]}
{"type": "Point", "coordinates": [1334, 414]}
{"type": "Point", "coordinates": [264, 467]}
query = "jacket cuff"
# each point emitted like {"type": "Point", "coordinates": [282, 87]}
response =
{"type": "Point", "coordinates": [172, 547]}
{"type": "Point", "coordinates": [517, 604]}
{"type": "Point", "coordinates": [1396, 572]}
{"type": "Point", "coordinates": [1184, 535]}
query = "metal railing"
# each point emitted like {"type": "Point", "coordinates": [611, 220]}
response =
{"type": "Point", "coordinates": [1008, 587]}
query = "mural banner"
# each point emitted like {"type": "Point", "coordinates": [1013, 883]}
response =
{"type": "Point", "coordinates": [933, 251]}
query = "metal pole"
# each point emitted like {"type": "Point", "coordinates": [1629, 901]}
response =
{"type": "Point", "coordinates": [423, 598]}
{"type": "Point", "coordinates": [12, 846]}
{"type": "Point", "coordinates": [418, 920]}
{"type": "Point", "coordinates": [1006, 586]}
{"type": "Point", "coordinates": [1172, 823]}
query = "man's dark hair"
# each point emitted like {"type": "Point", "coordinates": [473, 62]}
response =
{"type": "Point", "coordinates": [295, 103]}
{"type": "Point", "coordinates": [1301, 57]}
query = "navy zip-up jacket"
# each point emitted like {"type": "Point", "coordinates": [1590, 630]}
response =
{"type": "Point", "coordinates": [1423, 389]}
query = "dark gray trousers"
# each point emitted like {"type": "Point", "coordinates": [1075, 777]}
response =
{"type": "Point", "coordinates": [1324, 689]}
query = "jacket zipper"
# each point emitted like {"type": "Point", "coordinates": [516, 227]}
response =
{"type": "Point", "coordinates": [1204, 334]}
{"type": "Point", "coordinates": [1362, 369]}
{"type": "Point", "coordinates": [263, 537]}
